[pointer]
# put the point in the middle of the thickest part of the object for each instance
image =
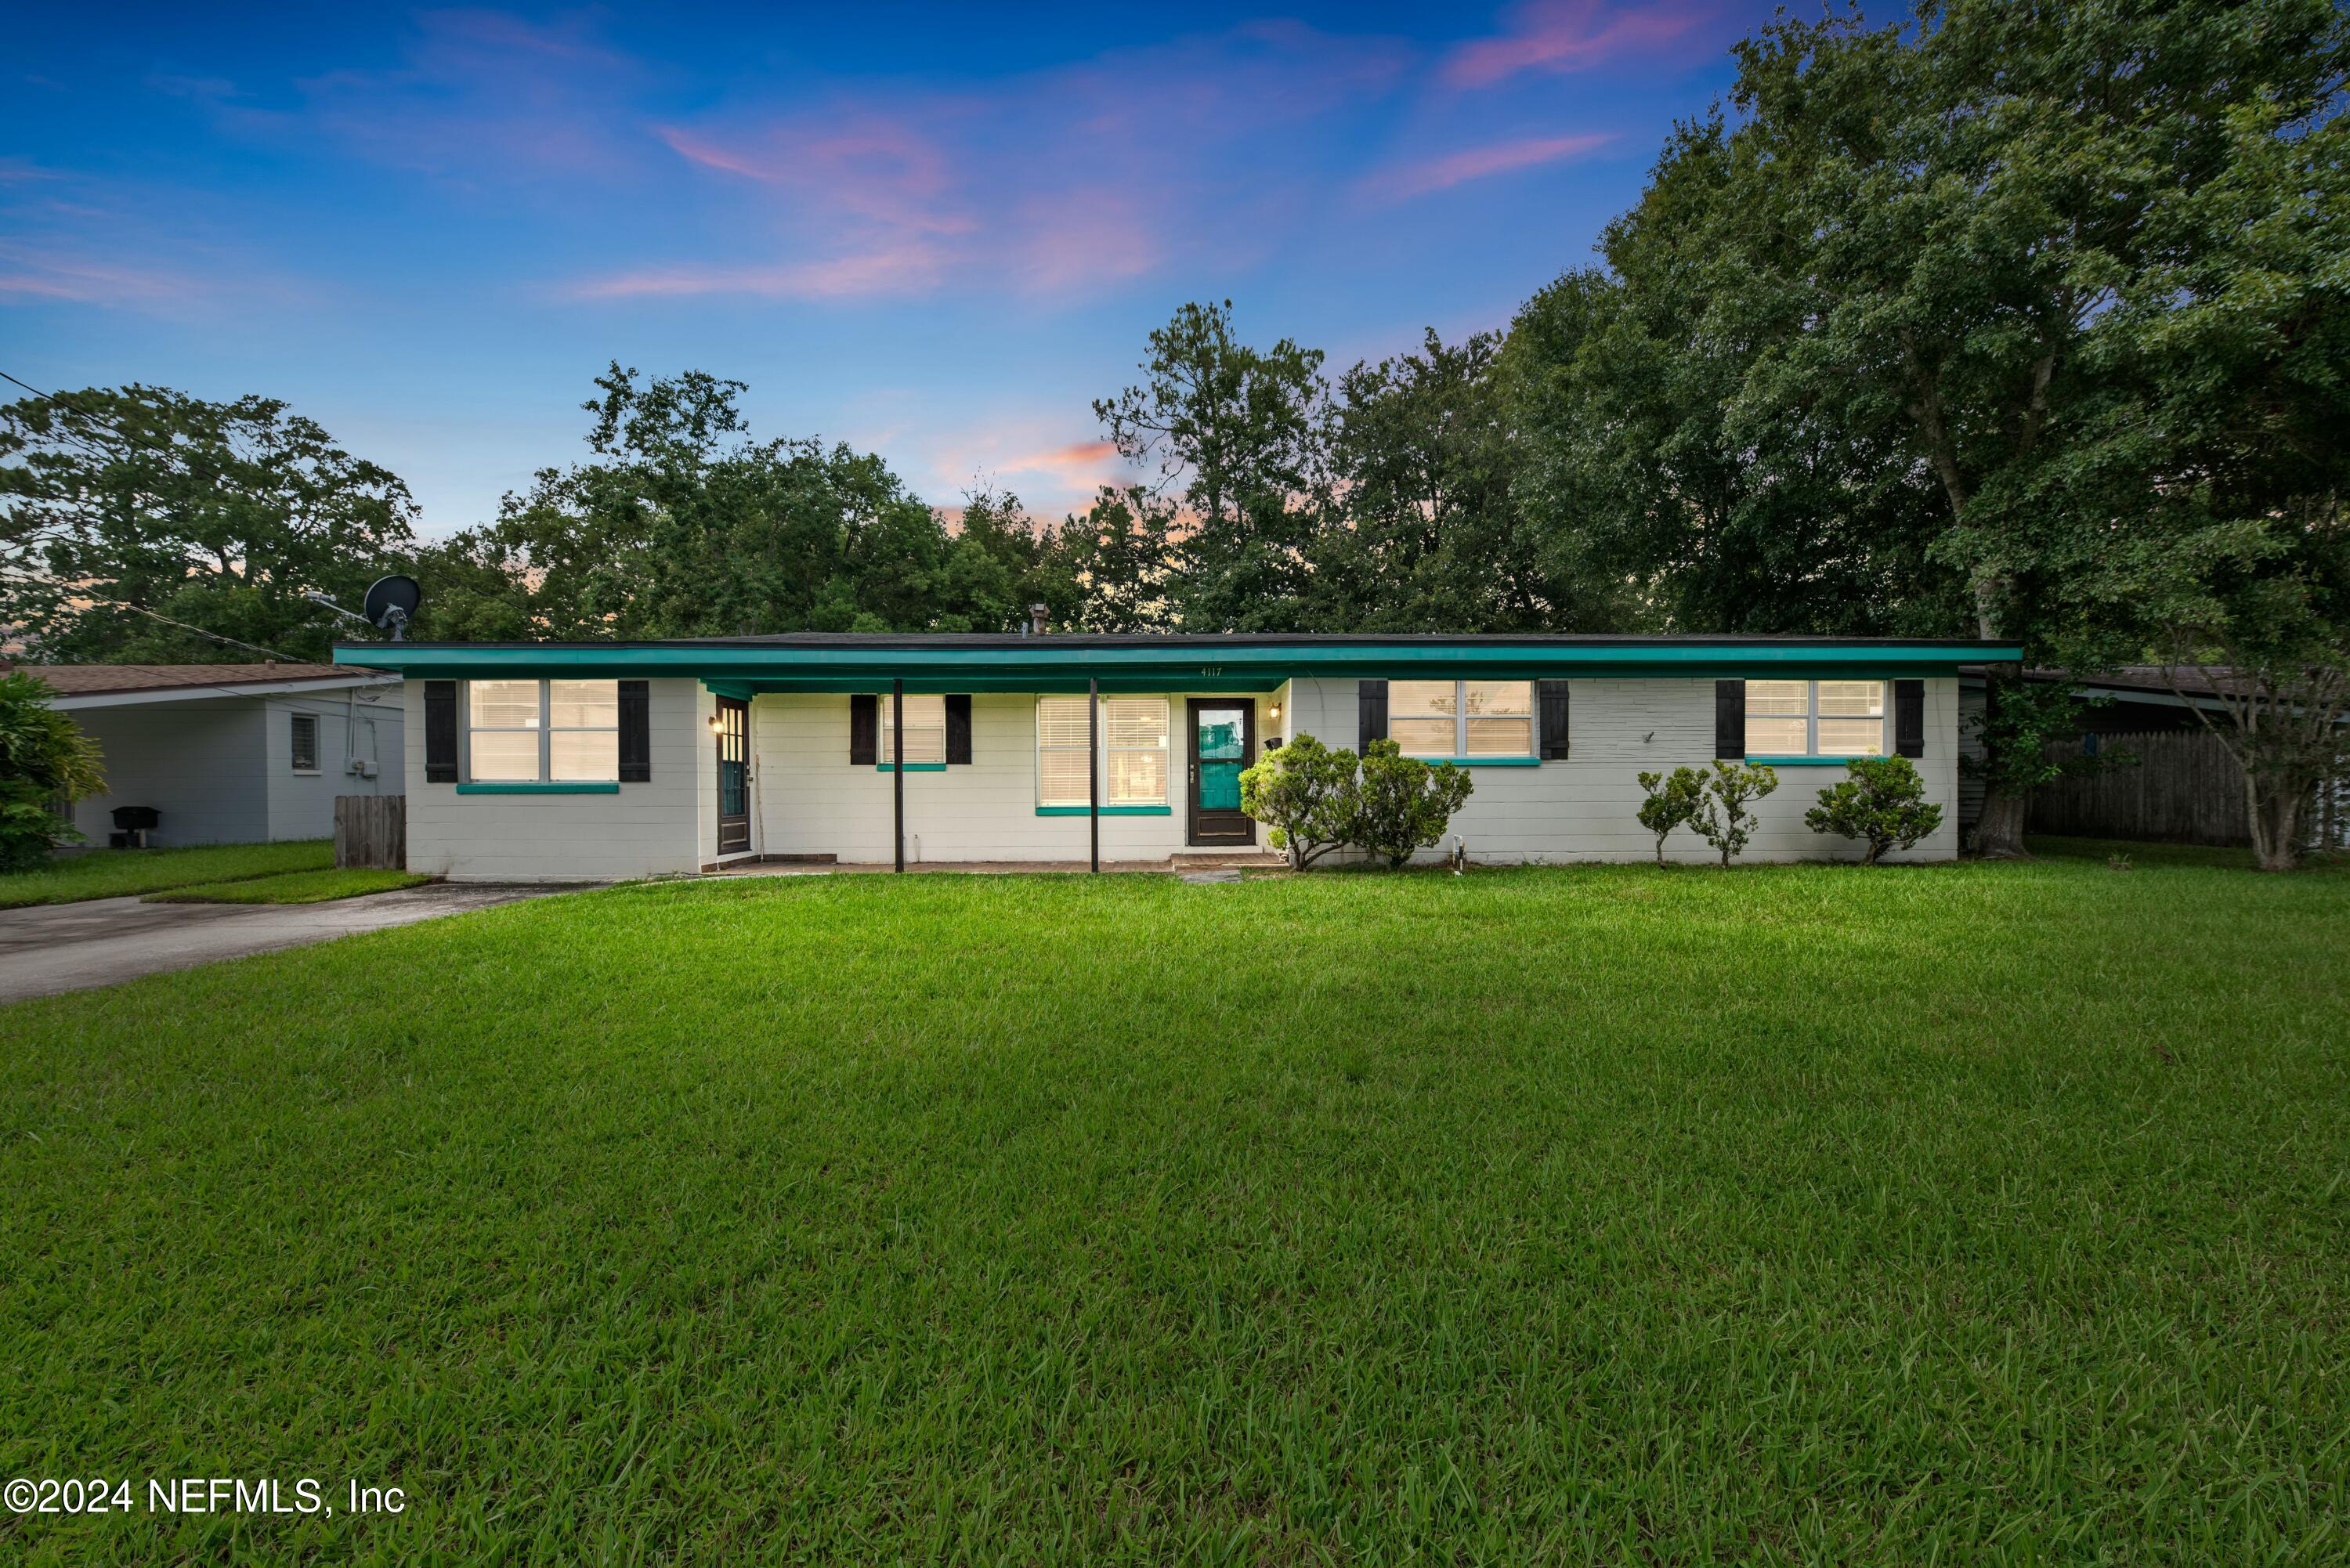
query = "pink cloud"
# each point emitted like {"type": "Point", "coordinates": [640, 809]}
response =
{"type": "Point", "coordinates": [914, 269]}
{"type": "Point", "coordinates": [1561, 36]}
{"type": "Point", "coordinates": [48, 275]}
{"type": "Point", "coordinates": [479, 96]}
{"type": "Point", "coordinates": [884, 172]}
{"type": "Point", "coordinates": [1405, 180]}
{"type": "Point", "coordinates": [1080, 460]}
{"type": "Point", "coordinates": [1051, 185]}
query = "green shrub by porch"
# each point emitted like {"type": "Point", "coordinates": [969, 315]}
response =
{"type": "Point", "coordinates": [1305, 795]}
{"type": "Point", "coordinates": [1403, 804]}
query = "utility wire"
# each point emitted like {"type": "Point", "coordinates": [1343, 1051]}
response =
{"type": "Point", "coordinates": [79, 439]}
{"type": "Point", "coordinates": [293, 700]}
{"type": "Point", "coordinates": [44, 397]}
{"type": "Point", "coordinates": [141, 610]}
{"type": "Point", "coordinates": [167, 620]}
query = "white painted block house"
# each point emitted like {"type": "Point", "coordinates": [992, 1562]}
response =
{"type": "Point", "coordinates": [549, 761]}
{"type": "Point", "coordinates": [231, 753]}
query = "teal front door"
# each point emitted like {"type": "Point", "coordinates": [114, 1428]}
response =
{"type": "Point", "coordinates": [1223, 743]}
{"type": "Point", "coordinates": [733, 775]}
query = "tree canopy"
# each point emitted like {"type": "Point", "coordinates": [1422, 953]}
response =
{"type": "Point", "coordinates": [123, 511]}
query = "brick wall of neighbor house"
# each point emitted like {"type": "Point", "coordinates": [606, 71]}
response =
{"type": "Point", "coordinates": [646, 830]}
{"type": "Point", "coordinates": [199, 762]}
{"type": "Point", "coordinates": [1582, 808]}
{"type": "Point", "coordinates": [301, 805]}
{"type": "Point", "coordinates": [810, 799]}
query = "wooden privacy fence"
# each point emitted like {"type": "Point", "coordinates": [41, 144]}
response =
{"type": "Point", "coordinates": [2184, 789]}
{"type": "Point", "coordinates": [2329, 825]}
{"type": "Point", "coordinates": [371, 830]}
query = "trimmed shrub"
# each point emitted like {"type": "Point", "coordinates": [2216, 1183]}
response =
{"type": "Point", "coordinates": [1883, 805]}
{"type": "Point", "coordinates": [1722, 819]}
{"type": "Point", "coordinates": [1403, 805]}
{"type": "Point", "coordinates": [1673, 801]}
{"type": "Point", "coordinates": [1304, 792]}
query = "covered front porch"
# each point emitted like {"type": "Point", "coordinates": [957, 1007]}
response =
{"type": "Point", "coordinates": [1088, 779]}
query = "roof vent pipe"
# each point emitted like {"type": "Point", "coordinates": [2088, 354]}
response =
{"type": "Point", "coordinates": [1036, 613]}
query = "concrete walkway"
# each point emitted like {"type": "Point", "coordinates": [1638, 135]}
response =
{"type": "Point", "coordinates": [70, 946]}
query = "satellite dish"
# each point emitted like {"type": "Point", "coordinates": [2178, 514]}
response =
{"type": "Point", "coordinates": [390, 601]}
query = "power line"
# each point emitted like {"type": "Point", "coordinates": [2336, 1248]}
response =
{"type": "Point", "coordinates": [76, 437]}
{"type": "Point", "coordinates": [167, 620]}
{"type": "Point", "coordinates": [44, 397]}
{"type": "Point", "coordinates": [359, 672]}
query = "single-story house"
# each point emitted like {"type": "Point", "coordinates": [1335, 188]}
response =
{"type": "Point", "coordinates": [555, 760]}
{"type": "Point", "coordinates": [231, 753]}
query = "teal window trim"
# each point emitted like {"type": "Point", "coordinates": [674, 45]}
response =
{"type": "Point", "coordinates": [1105, 810]}
{"type": "Point", "coordinates": [911, 767]}
{"type": "Point", "coordinates": [521, 786]}
{"type": "Point", "coordinates": [1808, 762]}
{"type": "Point", "coordinates": [1481, 761]}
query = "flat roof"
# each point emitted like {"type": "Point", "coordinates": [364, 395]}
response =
{"type": "Point", "coordinates": [1012, 661]}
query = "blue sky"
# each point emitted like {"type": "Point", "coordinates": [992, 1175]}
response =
{"type": "Point", "coordinates": [931, 231]}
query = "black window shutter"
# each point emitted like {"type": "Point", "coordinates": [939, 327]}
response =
{"type": "Point", "coordinates": [1371, 706]}
{"type": "Point", "coordinates": [636, 733]}
{"type": "Point", "coordinates": [1551, 698]}
{"type": "Point", "coordinates": [440, 732]}
{"type": "Point", "coordinates": [1909, 718]}
{"type": "Point", "coordinates": [864, 729]}
{"type": "Point", "coordinates": [959, 729]}
{"type": "Point", "coordinates": [1728, 719]}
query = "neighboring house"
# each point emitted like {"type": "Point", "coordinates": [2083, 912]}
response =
{"type": "Point", "coordinates": [596, 760]}
{"type": "Point", "coordinates": [231, 753]}
{"type": "Point", "coordinates": [2134, 701]}
{"type": "Point", "coordinates": [2180, 785]}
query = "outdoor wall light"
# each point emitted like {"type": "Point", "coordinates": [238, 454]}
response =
{"type": "Point", "coordinates": [1273, 713]}
{"type": "Point", "coordinates": [717, 724]}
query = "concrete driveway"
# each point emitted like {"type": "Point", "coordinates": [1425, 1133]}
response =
{"type": "Point", "coordinates": [70, 946]}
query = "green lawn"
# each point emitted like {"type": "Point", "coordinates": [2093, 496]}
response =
{"type": "Point", "coordinates": [293, 888]}
{"type": "Point", "coordinates": [1959, 1214]}
{"type": "Point", "coordinates": [2167, 855]}
{"type": "Point", "coordinates": [114, 873]}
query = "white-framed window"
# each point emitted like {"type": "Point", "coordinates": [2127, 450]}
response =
{"type": "Point", "coordinates": [1461, 718]}
{"type": "Point", "coordinates": [1815, 719]}
{"type": "Point", "coordinates": [549, 730]}
{"type": "Point", "coordinates": [306, 743]}
{"type": "Point", "coordinates": [926, 730]}
{"type": "Point", "coordinates": [1134, 741]}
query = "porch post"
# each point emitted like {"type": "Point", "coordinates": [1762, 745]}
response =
{"type": "Point", "coordinates": [898, 762]}
{"type": "Point", "coordinates": [1093, 764]}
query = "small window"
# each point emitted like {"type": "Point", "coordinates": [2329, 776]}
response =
{"type": "Point", "coordinates": [504, 742]}
{"type": "Point", "coordinates": [1461, 718]}
{"type": "Point", "coordinates": [1815, 719]}
{"type": "Point", "coordinates": [306, 743]}
{"type": "Point", "coordinates": [1422, 714]}
{"type": "Point", "coordinates": [1134, 751]}
{"type": "Point", "coordinates": [526, 731]}
{"type": "Point", "coordinates": [926, 730]}
{"type": "Point", "coordinates": [583, 730]}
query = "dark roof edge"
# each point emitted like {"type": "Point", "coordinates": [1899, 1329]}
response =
{"type": "Point", "coordinates": [917, 642]}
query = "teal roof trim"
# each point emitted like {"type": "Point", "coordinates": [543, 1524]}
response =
{"type": "Point", "coordinates": [1202, 664]}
